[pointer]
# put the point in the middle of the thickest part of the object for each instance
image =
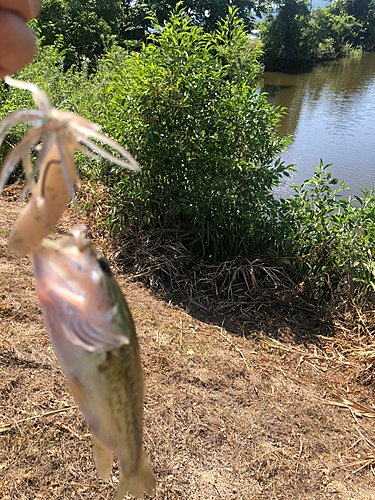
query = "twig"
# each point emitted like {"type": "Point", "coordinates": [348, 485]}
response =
{"type": "Point", "coordinates": [283, 461]}
{"type": "Point", "coordinates": [364, 461]}
{"type": "Point", "coordinates": [6, 427]}
{"type": "Point", "coordinates": [299, 457]}
{"type": "Point", "coordinates": [365, 464]}
{"type": "Point", "coordinates": [234, 345]}
{"type": "Point", "coordinates": [73, 483]}
{"type": "Point", "coordinates": [355, 444]}
{"type": "Point", "coordinates": [367, 441]}
{"type": "Point", "coordinates": [65, 427]}
{"type": "Point", "coordinates": [283, 347]}
{"type": "Point", "coordinates": [315, 368]}
{"type": "Point", "coordinates": [358, 409]}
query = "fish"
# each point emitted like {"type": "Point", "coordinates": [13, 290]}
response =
{"type": "Point", "coordinates": [94, 339]}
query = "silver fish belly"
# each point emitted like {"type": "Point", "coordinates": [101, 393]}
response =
{"type": "Point", "coordinates": [94, 340]}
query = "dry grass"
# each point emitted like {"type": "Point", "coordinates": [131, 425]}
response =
{"type": "Point", "coordinates": [252, 392]}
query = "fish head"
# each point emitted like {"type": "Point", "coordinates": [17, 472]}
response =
{"type": "Point", "coordinates": [78, 293]}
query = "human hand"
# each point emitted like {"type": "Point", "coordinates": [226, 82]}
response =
{"type": "Point", "coordinates": [17, 42]}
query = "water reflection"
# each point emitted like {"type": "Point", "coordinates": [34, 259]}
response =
{"type": "Point", "coordinates": [331, 114]}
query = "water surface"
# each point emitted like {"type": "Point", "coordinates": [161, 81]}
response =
{"type": "Point", "coordinates": [331, 114]}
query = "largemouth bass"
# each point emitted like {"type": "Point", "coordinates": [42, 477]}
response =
{"type": "Point", "coordinates": [94, 340]}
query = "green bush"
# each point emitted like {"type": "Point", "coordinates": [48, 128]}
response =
{"type": "Point", "coordinates": [188, 109]}
{"type": "Point", "coordinates": [186, 106]}
{"type": "Point", "coordinates": [331, 237]}
{"type": "Point", "coordinates": [325, 51]}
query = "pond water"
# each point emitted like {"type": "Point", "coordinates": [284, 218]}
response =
{"type": "Point", "coordinates": [331, 115]}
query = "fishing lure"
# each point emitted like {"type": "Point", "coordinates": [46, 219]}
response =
{"type": "Point", "coordinates": [62, 133]}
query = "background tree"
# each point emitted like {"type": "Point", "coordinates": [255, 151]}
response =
{"type": "Point", "coordinates": [207, 13]}
{"type": "Point", "coordinates": [286, 36]}
{"type": "Point", "coordinates": [88, 28]}
{"type": "Point", "coordinates": [334, 34]}
{"type": "Point", "coordinates": [295, 36]}
{"type": "Point", "coordinates": [362, 16]}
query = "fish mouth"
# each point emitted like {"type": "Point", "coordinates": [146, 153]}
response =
{"type": "Point", "coordinates": [75, 237]}
{"type": "Point", "coordinates": [70, 250]}
{"type": "Point", "coordinates": [79, 233]}
{"type": "Point", "coordinates": [61, 266]}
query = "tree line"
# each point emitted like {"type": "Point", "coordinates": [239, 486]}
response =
{"type": "Point", "coordinates": [88, 28]}
{"type": "Point", "coordinates": [295, 35]}
{"type": "Point", "coordinates": [291, 33]}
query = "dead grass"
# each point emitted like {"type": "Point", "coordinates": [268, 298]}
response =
{"type": "Point", "coordinates": [251, 392]}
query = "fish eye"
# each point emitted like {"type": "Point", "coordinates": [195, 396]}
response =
{"type": "Point", "coordinates": [103, 263]}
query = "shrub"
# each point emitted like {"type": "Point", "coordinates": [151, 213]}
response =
{"type": "Point", "coordinates": [325, 50]}
{"type": "Point", "coordinates": [332, 238]}
{"type": "Point", "coordinates": [188, 108]}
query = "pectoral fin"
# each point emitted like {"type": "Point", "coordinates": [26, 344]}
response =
{"type": "Point", "coordinates": [90, 336]}
{"type": "Point", "coordinates": [81, 332]}
{"type": "Point", "coordinates": [103, 459]}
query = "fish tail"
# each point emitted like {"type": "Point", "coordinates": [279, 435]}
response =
{"type": "Point", "coordinates": [103, 459]}
{"type": "Point", "coordinates": [138, 482]}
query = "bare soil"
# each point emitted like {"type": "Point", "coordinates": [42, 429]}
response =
{"type": "Point", "coordinates": [269, 414]}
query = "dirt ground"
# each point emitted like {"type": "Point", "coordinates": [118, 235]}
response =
{"type": "Point", "coordinates": [265, 415]}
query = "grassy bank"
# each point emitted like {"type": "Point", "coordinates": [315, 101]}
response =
{"type": "Point", "coordinates": [186, 107]}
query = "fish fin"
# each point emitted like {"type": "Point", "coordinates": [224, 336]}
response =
{"type": "Point", "coordinates": [92, 336]}
{"type": "Point", "coordinates": [79, 331]}
{"type": "Point", "coordinates": [103, 457]}
{"type": "Point", "coordinates": [138, 482]}
{"type": "Point", "coordinates": [79, 393]}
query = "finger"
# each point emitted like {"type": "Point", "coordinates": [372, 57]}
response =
{"type": "Point", "coordinates": [27, 9]}
{"type": "Point", "coordinates": [17, 43]}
